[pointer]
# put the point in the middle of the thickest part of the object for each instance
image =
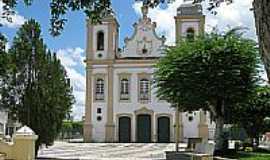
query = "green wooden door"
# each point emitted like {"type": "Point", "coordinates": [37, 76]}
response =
{"type": "Point", "coordinates": [143, 128]}
{"type": "Point", "coordinates": [163, 129]}
{"type": "Point", "coordinates": [124, 129]}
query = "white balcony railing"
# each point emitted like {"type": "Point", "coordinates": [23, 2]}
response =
{"type": "Point", "coordinates": [99, 96]}
{"type": "Point", "coordinates": [124, 96]}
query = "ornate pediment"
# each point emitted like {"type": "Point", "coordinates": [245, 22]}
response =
{"type": "Point", "coordinates": [144, 42]}
{"type": "Point", "coordinates": [144, 46]}
{"type": "Point", "coordinates": [144, 110]}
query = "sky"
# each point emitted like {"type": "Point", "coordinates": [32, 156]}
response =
{"type": "Point", "coordinates": [70, 45]}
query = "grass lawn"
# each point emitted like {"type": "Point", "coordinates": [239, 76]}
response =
{"type": "Point", "coordinates": [259, 154]}
{"type": "Point", "coordinates": [254, 156]}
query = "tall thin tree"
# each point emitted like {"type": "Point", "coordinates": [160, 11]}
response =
{"type": "Point", "coordinates": [43, 92]}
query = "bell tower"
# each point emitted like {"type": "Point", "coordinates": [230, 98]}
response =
{"type": "Point", "coordinates": [189, 21]}
{"type": "Point", "coordinates": [102, 47]}
{"type": "Point", "coordinates": [102, 39]}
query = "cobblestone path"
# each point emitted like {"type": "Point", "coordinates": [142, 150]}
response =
{"type": "Point", "coordinates": [107, 151]}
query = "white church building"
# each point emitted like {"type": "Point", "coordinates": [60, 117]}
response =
{"type": "Point", "coordinates": [121, 103]}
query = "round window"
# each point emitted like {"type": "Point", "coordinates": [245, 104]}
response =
{"type": "Point", "coordinates": [99, 118]}
{"type": "Point", "coordinates": [99, 55]}
{"type": "Point", "coordinates": [190, 118]}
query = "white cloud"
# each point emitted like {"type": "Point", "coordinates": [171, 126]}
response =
{"type": "Point", "coordinates": [164, 19]}
{"type": "Point", "coordinates": [71, 56]}
{"type": "Point", "coordinates": [237, 14]}
{"type": "Point", "coordinates": [77, 79]}
{"type": "Point", "coordinates": [233, 15]}
{"type": "Point", "coordinates": [78, 109]}
{"type": "Point", "coordinates": [7, 46]}
{"type": "Point", "coordinates": [17, 20]}
{"type": "Point", "coordinates": [72, 60]}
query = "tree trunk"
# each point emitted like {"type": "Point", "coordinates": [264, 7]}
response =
{"type": "Point", "coordinates": [255, 142]}
{"type": "Point", "coordinates": [36, 149]}
{"type": "Point", "coordinates": [262, 20]}
{"type": "Point", "coordinates": [219, 138]}
{"type": "Point", "coordinates": [177, 130]}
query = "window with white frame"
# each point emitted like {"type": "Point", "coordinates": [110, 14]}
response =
{"type": "Point", "coordinates": [124, 89]}
{"type": "Point", "coordinates": [100, 89]}
{"type": "Point", "coordinates": [144, 89]}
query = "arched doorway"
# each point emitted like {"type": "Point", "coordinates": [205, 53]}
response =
{"type": "Point", "coordinates": [143, 128]}
{"type": "Point", "coordinates": [163, 129]}
{"type": "Point", "coordinates": [124, 129]}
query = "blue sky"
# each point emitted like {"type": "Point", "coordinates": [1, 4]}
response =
{"type": "Point", "coordinates": [70, 45]}
{"type": "Point", "coordinates": [74, 33]}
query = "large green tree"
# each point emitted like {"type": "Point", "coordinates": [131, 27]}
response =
{"type": "Point", "coordinates": [5, 69]}
{"type": "Point", "coordinates": [3, 56]}
{"type": "Point", "coordinates": [3, 64]}
{"type": "Point", "coordinates": [253, 115]}
{"type": "Point", "coordinates": [214, 72]}
{"type": "Point", "coordinates": [40, 94]}
{"type": "Point", "coordinates": [71, 128]}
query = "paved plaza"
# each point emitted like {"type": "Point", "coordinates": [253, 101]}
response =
{"type": "Point", "coordinates": [107, 151]}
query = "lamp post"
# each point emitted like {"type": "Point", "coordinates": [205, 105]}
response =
{"type": "Point", "coordinates": [177, 128]}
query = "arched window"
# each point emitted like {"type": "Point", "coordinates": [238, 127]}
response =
{"type": "Point", "coordinates": [144, 89]}
{"type": "Point", "coordinates": [124, 86]}
{"type": "Point", "coordinates": [190, 34]}
{"type": "Point", "coordinates": [100, 41]}
{"type": "Point", "coordinates": [124, 90]}
{"type": "Point", "coordinates": [100, 89]}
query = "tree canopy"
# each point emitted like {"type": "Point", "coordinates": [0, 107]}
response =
{"type": "Point", "coordinates": [214, 72]}
{"type": "Point", "coordinates": [3, 56]}
{"type": "Point", "coordinates": [254, 115]}
{"type": "Point", "coordinates": [37, 90]}
{"type": "Point", "coordinates": [211, 5]}
{"type": "Point", "coordinates": [71, 128]}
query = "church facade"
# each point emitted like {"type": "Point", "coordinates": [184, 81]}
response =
{"type": "Point", "coordinates": [121, 103]}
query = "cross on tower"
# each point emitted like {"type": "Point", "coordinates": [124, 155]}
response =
{"type": "Point", "coordinates": [144, 11]}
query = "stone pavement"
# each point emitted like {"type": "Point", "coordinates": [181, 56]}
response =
{"type": "Point", "coordinates": [107, 151]}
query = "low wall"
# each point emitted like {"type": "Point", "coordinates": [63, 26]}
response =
{"type": "Point", "coordinates": [22, 146]}
{"type": "Point", "coordinates": [6, 148]}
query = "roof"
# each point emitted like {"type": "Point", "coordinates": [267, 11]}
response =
{"type": "Point", "coordinates": [189, 9]}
